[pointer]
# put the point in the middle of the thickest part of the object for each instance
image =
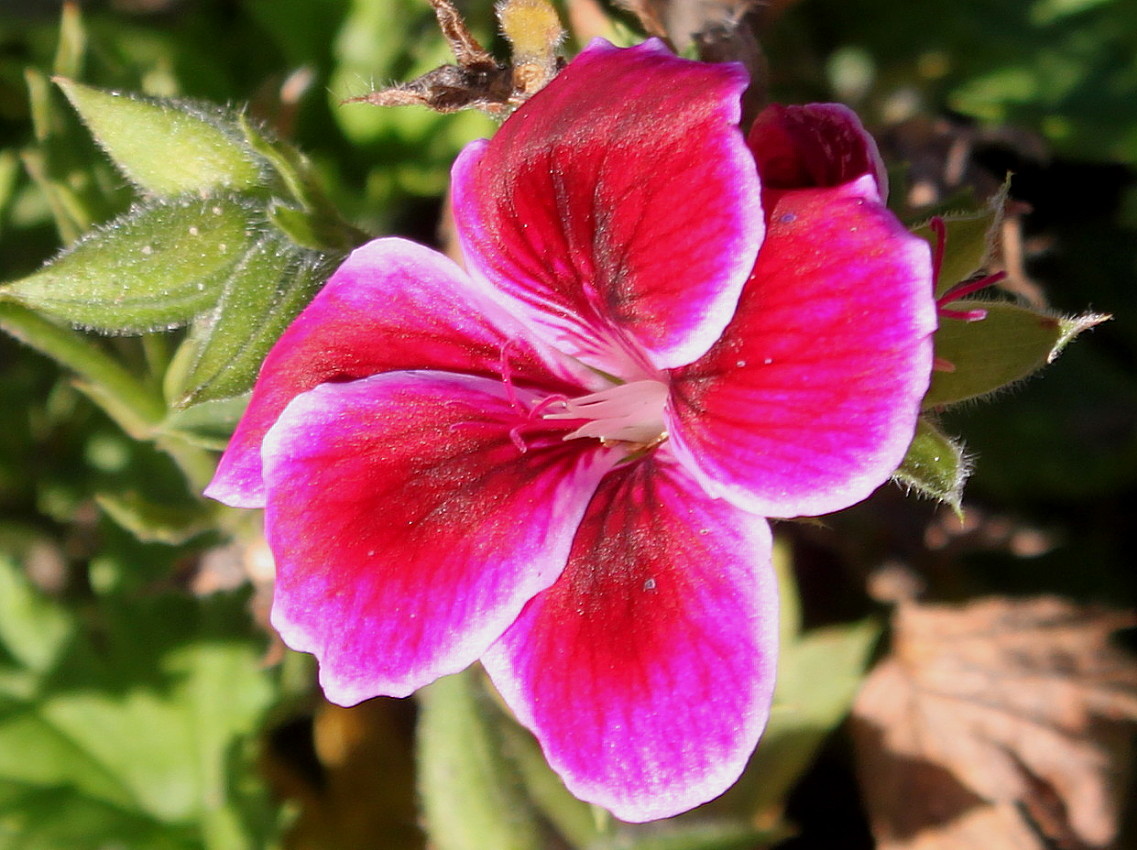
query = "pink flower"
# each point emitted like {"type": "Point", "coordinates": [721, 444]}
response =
{"type": "Point", "coordinates": [559, 461]}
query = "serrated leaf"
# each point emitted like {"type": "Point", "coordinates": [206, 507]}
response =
{"type": "Point", "coordinates": [267, 289]}
{"type": "Point", "coordinates": [472, 796]}
{"type": "Point", "coordinates": [166, 147]}
{"type": "Point", "coordinates": [1006, 346]}
{"type": "Point", "coordinates": [934, 465]}
{"type": "Point", "coordinates": [157, 266]}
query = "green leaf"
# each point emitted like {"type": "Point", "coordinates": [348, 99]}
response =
{"type": "Point", "coordinates": [135, 731]}
{"type": "Point", "coordinates": [166, 147]}
{"type": "Point", "coordinates": [315, 222]}
{"type": "Point", "coordinates": [36, 818]}
{"type": "Point", "coordinates": [934, 465]}
{"type": "Point", "coordinates": [151, 522]}
{"type": "Point", "coordinates": [574, 819]}
{"type": "Point", "coordinates": [32, 629]}
{"type": "Point", "coordinates": [818, 676]}
{"type": "Point", "coordinates": [209, 424]}
{"type": "Point", "coordinates": [72, 48]}
{"type": "Point", "coordinates": [701, 836]}
{"type": "Point", "coordinates": [472, 796]}
{"type": "Point", "coordinates": [124, 398]}
{"type": "Point", "coordinates": [158, 266]}
{"type": "Point", "coordinates": [271, 284]}
{"type": "Point", "coordinates": [1006, 346]}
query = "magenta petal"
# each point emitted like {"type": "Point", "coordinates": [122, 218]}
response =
{"type": "Point", "coordinates": [647, 670]}
{"type": "Point", "coordinates": [391, 305]}
{"type": "Point", "coordinates": [619, 206]}
{"type": "Point", "coordinates": [809, 401]}
{"type": "Point", "coordinates": [409, 529]}
{"type": "Point", "coordinates": [815, 145]}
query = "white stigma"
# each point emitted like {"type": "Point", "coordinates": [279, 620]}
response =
{"type": "Point", "coordinates": [628, 413]}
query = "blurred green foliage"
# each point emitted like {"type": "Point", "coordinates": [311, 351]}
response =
{"type": "Point", "coordinates": [132, 710]}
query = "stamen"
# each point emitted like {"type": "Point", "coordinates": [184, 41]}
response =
{"type": "Point", "coordinates": [940, 229]}
{"type": "Point", "coordinates": [518, 440]}
{"type": "Point", "coordinates": [964, 315]}
{"type": "Point", "coordinates": [627, 413]}
{"type": "Point", "coordinates": [507, 378]}
{"type": "Point", "coordinates": [962, 290]}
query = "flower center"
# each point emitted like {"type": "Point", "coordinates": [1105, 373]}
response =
{"type": "Point", "coordinates": [626, 413]}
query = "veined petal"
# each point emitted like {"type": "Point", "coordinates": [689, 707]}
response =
{"type": "Point", "coordinates": [810, 399]}
{"type": "Point", "coordinates": [409, 529]}
{"type": "Point", "coordinates": [647, 670]}
{"type": "Point", "coordinates": [392, 305]}
{"type": "Point", "coordinates": [814, 145]}
{"type": "Point", "coordinates": [619, 207]}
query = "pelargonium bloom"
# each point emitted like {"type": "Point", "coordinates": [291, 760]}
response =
{"type": "Point", "coordinates": [558, 460]}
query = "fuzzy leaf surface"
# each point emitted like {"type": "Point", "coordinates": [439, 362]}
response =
{"type": "Point", "coordinates": [157, 266]}
{"type": "Point", "coordinates": [166, 147]}
{"type": "Point", "coordinates": [1008, 345]}
{"type": "Point", "coordinates": [262, 295]}
{"type": "Point", "coordinates": [934, 466]}
{"type": "Point", "coordinates": [458, 750]}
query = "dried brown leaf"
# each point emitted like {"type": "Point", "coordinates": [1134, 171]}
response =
{"type": "Point", "coordinates": [1001, 724]}
{"type": "Point", "coordinates": [478, 81]}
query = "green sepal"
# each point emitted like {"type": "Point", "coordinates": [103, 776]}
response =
{"type": "Point", "coordinates": [472, 795]}
{"type": "Point", "coordinates": [311, 220]}
{"type": "Point", "coordinates": [968, 241]}
{"type": "Point", "coordinates": [270, 285]}
{"type": "Point", "coordinates": [934, 466]}
{"type": "Point", "coordinates": [977, 358]}
{"type": "Point", "coordinates": [167, 147]}
{"type": "Point", "coordinates": [155, 267]}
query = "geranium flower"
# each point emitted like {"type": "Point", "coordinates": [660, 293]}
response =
{"type": "Point", "coordinates": [559, 461]}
